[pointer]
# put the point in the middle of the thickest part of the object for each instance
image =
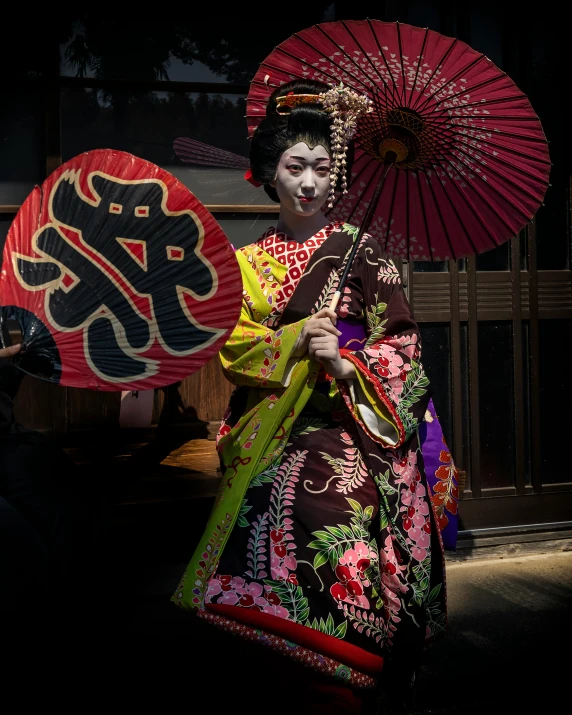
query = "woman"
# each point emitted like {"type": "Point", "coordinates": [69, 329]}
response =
{"type": "Point", "coordinates": [322, 544]}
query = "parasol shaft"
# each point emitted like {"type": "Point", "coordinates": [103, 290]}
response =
{"type": "Point", "coordinates": [390, 158]}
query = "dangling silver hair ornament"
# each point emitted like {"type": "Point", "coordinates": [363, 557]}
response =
{"type": "Point", "coordinates": [346, 106]}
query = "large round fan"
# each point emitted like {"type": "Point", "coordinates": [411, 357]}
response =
{"type": "Point", "coordinates": [118, 276]}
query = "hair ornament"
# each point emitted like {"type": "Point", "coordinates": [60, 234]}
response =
{"type": "Point", "coordinates": [346, 106]}
{"type": "Point", "coordinates": [287, 101]}
{"type": "Point", "coordinates": [251, 180]}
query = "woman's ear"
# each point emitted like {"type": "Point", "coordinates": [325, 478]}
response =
{"type": "Point", "coordinates": [273, 182]}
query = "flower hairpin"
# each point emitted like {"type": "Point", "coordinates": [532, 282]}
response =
{"type": "Point", "coordinates": [345, 106]}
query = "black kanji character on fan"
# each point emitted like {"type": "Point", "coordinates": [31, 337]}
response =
{"type": "Point", "coordinates": [154, 251]}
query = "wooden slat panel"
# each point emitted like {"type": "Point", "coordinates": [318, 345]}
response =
{"type": "Point", "coordinates": [41, 405]}
{"type": "Point", "coordinates": [456, 378]}
{"type": "Point", "coordinates": [492, 511]}
{"type": "Point", "coordinates": [201, 397]}
{"type": "Point", "coordinates": [92, 408]}
{"type": "Point", "coordinates": [494, 295]}
{"type": "Point", "coordinates": [475, 427]}
{"type": "Point", "coordinates": [536, 458]}
{"type": "Point", "coordinates": [554, 296]}
{"type": "Point", "coordinates": [432, 297]}
{"type": "Point", "coordinates": [518, 368]}
{"type": "Point", "coordinates": [208, 391]}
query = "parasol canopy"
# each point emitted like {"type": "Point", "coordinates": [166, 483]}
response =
{"type": "Point", "coordinates": [192, 151]}
{"type": "Point", "coordinates": [118, 277]}
{"type": "Point", "coordinates": [463, 156]}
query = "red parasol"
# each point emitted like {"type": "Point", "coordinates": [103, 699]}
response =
{"type": "Point", "coordinates": [119, 278]}
{"type": "Point", "coordinates": [453, 160]}
{"type": "Point", "coordinates": [191, 151]}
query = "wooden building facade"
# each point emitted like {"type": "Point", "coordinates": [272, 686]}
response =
{"type": "Point", "coordinates": [496, 328]}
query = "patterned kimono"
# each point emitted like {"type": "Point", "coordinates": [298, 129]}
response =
{"type": "Point", "coordinates": [323, 542]}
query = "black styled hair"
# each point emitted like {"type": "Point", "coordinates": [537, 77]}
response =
{"type": "Point", "coordinates": [306, 123]}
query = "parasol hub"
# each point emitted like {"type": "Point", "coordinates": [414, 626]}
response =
{"type": "Point", "coordinates": [405, 120]}
{"type": "Point", "coordinates": [392, 151]}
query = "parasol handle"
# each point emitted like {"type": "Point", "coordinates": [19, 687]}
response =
{"type": "Point", "coordinates": [390, 158]}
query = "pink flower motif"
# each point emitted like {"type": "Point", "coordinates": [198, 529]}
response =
{"type": "Point", "coordinates": [419, 554]}
{"type": "Point", "coordinates": [214, 588]}
{"type": "Point", "coordinates": [254, 589]}
{"type": "Point", "coordinates": [395, 385]}
{"type": "Point", "coordinates": [420, 537]}
{"type": "Point", "coordinates": [230, 598]}
{"type": "Point", "coordinates": [350, 574]}
{"type": "Point", "coordinates": [278, 571]}
{"type": "Point", "coordinates": [360, 551]}
{"type": "Point", "coordinates": [343, 308]}
{"type": "Point", "coordinates": [405, 467]}
{"type": "Point", "coordinates": [349, 558]}
{"type": "Point", "coordinates": [390, 582]}
{"type": "Point", "coordinates": [279, 611]}
{"type": "Point", "coordinates": [405, 343]}
{"type": "Point", "coordinates": [290, 563]}
{"type": "Point", "coordinates": [390, 570]}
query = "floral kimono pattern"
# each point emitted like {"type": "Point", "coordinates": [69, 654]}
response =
{"type": "Point", "coordinates": [323, 541]}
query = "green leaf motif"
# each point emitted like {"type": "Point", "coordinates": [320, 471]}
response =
{"type": "Point", "coordinates": [335, 463]}
{"type": "Point", "coordinates": [320, 558]}
{"type": "Point", "coordinates": [336, 531]}
{"type": "Point", "coordinates": [265, 477]}
{"type": "Point", "coordinates": [434, 593]}
{"type": "Point", "coordinates": [244, 509]}
{"type": "Point", "coordinates": [356, 506]}
{"type": "Point", "coordinates": [292, 598]}
{"type": "Point", "coordinates": [305, 425]}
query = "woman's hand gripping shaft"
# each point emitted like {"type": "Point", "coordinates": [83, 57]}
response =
{"type": "Point", "coordinates": [319, 339]}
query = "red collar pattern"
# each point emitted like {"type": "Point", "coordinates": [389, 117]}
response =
{"type": "Point", "coordinates": [292, 254]}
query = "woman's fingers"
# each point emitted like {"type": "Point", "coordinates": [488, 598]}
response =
{"type": "Point", "coordinates": [319, 325]}
{"type": "Point", "coordinates": [10, 351]}
{"type": "Point", "coordinates": [325, 347]}
{"type": "Point", "coordinates": [326, 313]}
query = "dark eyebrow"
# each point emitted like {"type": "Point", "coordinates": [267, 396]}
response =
{"type": "Point", "coordinates": [301, 158]}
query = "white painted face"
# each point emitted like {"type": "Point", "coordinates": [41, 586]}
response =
{"type": "Point", "coordinates": [303, 179]}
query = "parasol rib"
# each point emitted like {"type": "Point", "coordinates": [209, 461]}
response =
{"type": "Point", "coordinates": [453, 206]}
{"type": "Point", "coordinates": [364, 224]}
{"type": "Point", "coordinates": [391, 207]}
{"type": "Point", "coordinates": [452, 79]}
{"type": "Point", "coordinates": [440, 112]}
{"type": "Point", "coordinates": [382, 53]}
{"type": "Point", "coordinates": [419, 59]}
{"type": "Point", "coordinates": [427, 229]}
{"type": "Point", "coordinates": [468, 202]}
{"type": "Point", "coordinates": [400, 45]}
{"type": "Point", "coordinates": [461, 147]}
{"type": "Point", "coordinates": [437, 69]}
{"type": "Point", "coordinates": [371, 179]}
{"type": "Point", "coordinates": [491, 169]}
{"type": "Point", "coordinates": [337, 47]}
{"type": "Point", "coordinates": [366, 55]}
{"type": "Point", "coordinates": [351, 59]}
